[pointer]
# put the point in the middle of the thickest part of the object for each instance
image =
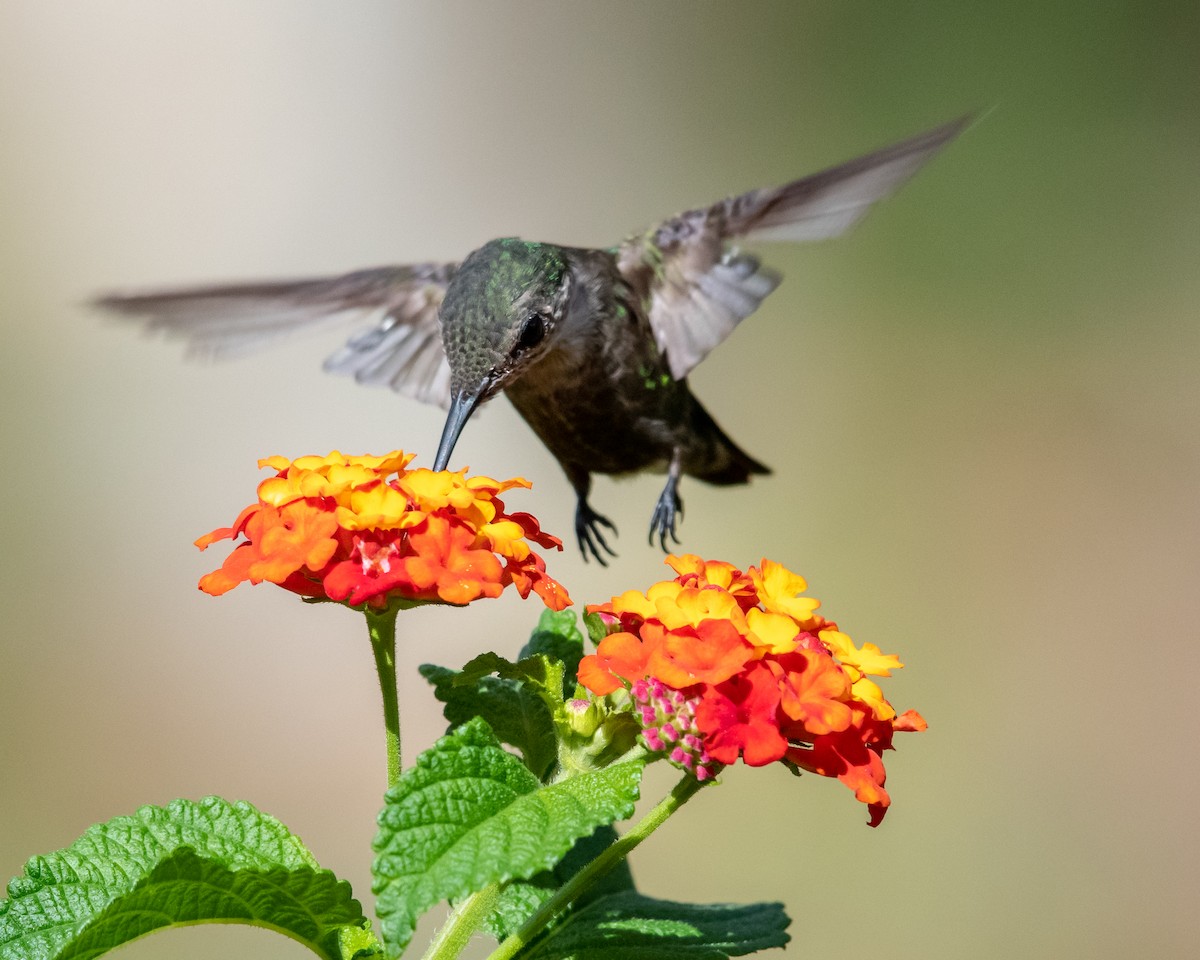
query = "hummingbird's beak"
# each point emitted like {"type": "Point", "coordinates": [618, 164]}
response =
{"type": "Point", "coordinates": [461, 407]}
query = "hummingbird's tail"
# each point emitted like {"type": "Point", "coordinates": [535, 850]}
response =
{"type": "Point", "coordinates": [716, 458]}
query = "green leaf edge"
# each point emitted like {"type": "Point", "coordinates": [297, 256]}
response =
{"type": "Point", "coordinates": [520, 899]}
{"type": "Point", "coordinates": [631, 926]}
{"type": "Point", "coordinates": [112, 865]}
{"type": "Point", "coordinates": [402, 896]}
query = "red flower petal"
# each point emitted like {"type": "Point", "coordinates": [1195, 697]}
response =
{"type": "Point", "coordinates": [739, 716]}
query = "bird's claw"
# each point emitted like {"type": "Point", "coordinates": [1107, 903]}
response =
{"type": "Point", "coordinates": [587, 529]}
{"type": "Point", "coordinates": [667, 512]}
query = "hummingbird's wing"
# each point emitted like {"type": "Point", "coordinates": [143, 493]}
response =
{"type": "Point", "coordinates": [699, 288]}
{"type": "Point", "coordinates": [402, 348]}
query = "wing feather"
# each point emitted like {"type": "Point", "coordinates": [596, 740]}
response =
{"type": "Point", "coordinates": [401, 348]}
{"type": "Point", "coordinates": [699, 288]}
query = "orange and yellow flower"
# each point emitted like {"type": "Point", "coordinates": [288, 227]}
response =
{"type": "Point", "coordinates": [723, 664]}
{"type": "Point", "coordinates": [367, 531]}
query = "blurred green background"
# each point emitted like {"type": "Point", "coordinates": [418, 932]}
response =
{"type": "Point", "coordinates": [981, 408]}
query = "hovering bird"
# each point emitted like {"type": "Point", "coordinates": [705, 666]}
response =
{"type": "Point", "coordinates": [592, 346]}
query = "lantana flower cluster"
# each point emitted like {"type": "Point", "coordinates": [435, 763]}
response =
{"type": "Point", "coordinates": [366, 530]}
{"type": "Point", "coordinates": [722, 664]}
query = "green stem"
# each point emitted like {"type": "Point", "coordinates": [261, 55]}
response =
{"type": "Point", "coordinates": [462, 923]}
{"type": "Point", "coordinates": [684, 790]}
{"type": "Point", "coordinates": [382, 627]}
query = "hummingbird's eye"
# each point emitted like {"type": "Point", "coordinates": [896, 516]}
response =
{"type": "Point", "coordinates": [533, 331]}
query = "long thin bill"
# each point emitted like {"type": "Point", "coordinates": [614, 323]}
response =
{"type": "Point", "coordinates": [461, 408]}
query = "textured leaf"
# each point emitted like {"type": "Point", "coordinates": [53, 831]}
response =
{"type": "Point", "coordinates": [539, 673]}
{"type": "Point", "coordinates": [184, 863]}
{"type": "Point", "coordinates": [517, 903]}
{"type": "Point", "coordinates": [519, 899]}
{"type": "Point", "coordinates": [469, 813]}
{"type": "Point", "coordinates": [520, 701]}
{"type": "Point", "coordinates": [628, 926]}
{"type": "Point", "coordinates": [557, 636]}
{"type": "Point", "coordinates": [517, 714]}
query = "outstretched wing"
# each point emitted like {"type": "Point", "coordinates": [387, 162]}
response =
{"type": "Point", "coordinates": [699, 288]}
{"type": "Point", "coordinates": [402, 348]}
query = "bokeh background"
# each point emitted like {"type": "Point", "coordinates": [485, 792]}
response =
{"type": "Point", "coordinates": [981, 408]}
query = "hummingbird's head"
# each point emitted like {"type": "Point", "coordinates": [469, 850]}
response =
{"type": "Point", "coordinates": [499, 316]}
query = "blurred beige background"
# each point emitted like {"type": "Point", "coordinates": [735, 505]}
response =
{"type": "Point", "coordinates": [981, 408]}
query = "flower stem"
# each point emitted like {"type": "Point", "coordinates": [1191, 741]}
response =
{"type": "Point", "coordinates": [684, 790]}
{"type": "Point", "coordinates": [460, 926]}
{"type": "Point", "coordinates": [382, 627]}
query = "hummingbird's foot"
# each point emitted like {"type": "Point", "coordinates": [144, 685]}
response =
{"type": "Point", "coordinates": [666, 512]}
{"type": "Point", "coordinates": [587, 528]}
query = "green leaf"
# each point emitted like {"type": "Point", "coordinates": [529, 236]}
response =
{"type": "Point", "coordinates": [557, 636]}
{"type": "Point", "coordinates": [629, 926]}
{"type": "Point", "coordinates": [540, 673]}
{"type": "Point", "coordinates": [519, 900]}
{"type": "Point", "coordinates": [469, 813]}
{"type": "Point", "coordinates": [210, 861]}
{"type": "Point", "coordinates": [596, 628]}
{"type": "Point", "coordinates": [518, 715]}
{"type": "Point", "coordinates": [520, 701]}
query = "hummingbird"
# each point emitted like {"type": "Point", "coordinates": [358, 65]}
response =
{"type": "Point", "coordinates": [592, 346]}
